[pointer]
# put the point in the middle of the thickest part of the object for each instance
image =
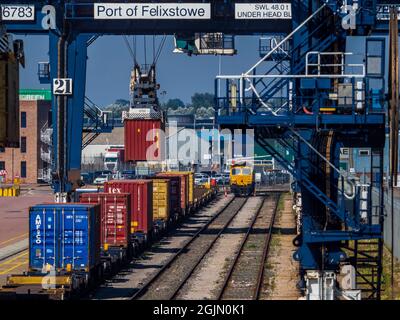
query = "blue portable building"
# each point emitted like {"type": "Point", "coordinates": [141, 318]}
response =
{"type": "Point", "coordinates": [64, 237]}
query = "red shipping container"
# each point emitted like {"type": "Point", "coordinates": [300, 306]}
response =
{"type": "Point", "coordinates": [137, 133]}
{"type": "Point", "coordinates": [183, 186]}
{"type": "Point", "coordinates": [141, 192]}
{"type": "Point", "coordinates": [115, 217]}
{"type": "Point", "coordinates": [174, 192]}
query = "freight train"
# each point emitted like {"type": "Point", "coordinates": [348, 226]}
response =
{"type": "Point", "coordinates": [74, 246]}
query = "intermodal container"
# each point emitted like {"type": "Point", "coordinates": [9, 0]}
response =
{"type": "Point", "coordinates": [139, 137]}
{"type": "Point", "coordinates": [115, 217]}
{"type": "Point", "coordinates": [79, 192]}
{"type": "Point", "coordinates": [174, 192]}
{"type": "Point", "coordinates": [200, 193]}
{"type": "Point", "coordinates": [190, 176]}
{"type": "Point", "coordinates": [141, 201]}
{"type": "Point", "coordinates": [183, 188]}
{"type": "Point", "coordinates": [64, 236]}
{"type": "Point", "coordinates": [161, 199]}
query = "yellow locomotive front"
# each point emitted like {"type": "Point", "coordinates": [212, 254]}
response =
{"type": "Point", "coordinates": [242, 180]}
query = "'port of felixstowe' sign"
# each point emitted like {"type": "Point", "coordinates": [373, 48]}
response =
{"type": "Point", "coordinates": [263, 11]}
{"type": "Point", "coordinates": [152, 11]}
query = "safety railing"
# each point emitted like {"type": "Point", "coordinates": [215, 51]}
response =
{"type": "Point", "coordinates": [95, 118]}
{"type": "Point", "coordinates": [348, 97]}
{"type": "Point", "coordinates": [317, 68]}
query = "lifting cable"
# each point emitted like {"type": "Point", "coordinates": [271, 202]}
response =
{"type": "Point", "coordinates": [159, 50]}
{"type": "Point", "coordinates": [156, 53]}
{"type": "Point", "coordinates": [131, 51]}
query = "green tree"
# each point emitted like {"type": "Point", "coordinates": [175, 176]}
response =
{"type": "Point", "coordinates": [173, 104]}
{"type": "Point", "coordinates": [205, 100]}
{"type": "Point", "coordinates": [118, 106]}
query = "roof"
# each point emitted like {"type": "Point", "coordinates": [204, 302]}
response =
{"type": "Point", "coordinates": [116, 137]}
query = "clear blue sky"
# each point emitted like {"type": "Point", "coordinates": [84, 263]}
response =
{"type": "Point", "coordinates": [109, 66]}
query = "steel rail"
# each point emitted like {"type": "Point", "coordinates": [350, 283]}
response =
{"type": "Point", "coordinates": [267, 243]}
{"type": "Point", "coordinates": [266, 246]}
{"type": "Point", "coordinates": [169, 262]}
{"type": "Point", "coordinates": [244, 240]}
{"type": "Point", "coordinates": [211, 245]}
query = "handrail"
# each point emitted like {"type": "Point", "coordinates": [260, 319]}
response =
{"type": "Point", "coordinates": [285, 39]}
{"type": "Point", "coordinates": [347, 177]}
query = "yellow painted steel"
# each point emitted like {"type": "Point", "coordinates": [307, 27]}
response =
{"type": "Point", "coordinates": [9, 191]}
{"type": "Point", "coordinates": [161, 198]}
{"type": "Point", "coordinates": [326, 109]}
{"type": "Point", "coordinates": [241, 175]}
{"type": "Point", "coordinates": [38, 280]}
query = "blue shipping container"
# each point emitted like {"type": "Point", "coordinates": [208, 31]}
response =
{"type": "Point", "coordinates": [65, 236]}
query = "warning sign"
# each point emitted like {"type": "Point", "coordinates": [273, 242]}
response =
{"type": "Point", "coordinates": [152, 11]}
{"type": "Point", "coordinates": [263, 11]}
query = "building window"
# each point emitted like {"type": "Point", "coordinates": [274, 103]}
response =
{"type": "Point", "coordinates": [2, 149]}
{"type": "Point", "coordinates": [23, 144]}
{"type": "Point", "coordinates": [2, 165]}
{"type": "Point", "coordinates": [363, 152]}
{"type": "Point", "coordinates": [23, 119]}
{"type": "Point", "coordinates": [23, 169]}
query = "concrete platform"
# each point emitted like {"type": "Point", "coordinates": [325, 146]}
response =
{"type": "Point", "coordinates": [14, 214]}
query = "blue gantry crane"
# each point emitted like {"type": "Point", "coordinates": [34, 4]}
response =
{"type": "Point", "coordinates": [319, 86]}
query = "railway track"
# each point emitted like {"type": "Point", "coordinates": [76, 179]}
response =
{"type": "Point", "coordinates": [245, 277]}
{"type": "Point", "coordinates": [168, 281]}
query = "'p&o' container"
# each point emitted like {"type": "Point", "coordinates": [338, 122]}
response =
{"type": "Point", "coordinates": [64, 236]}
{"type": "Point", "coordinates": [115, 217]}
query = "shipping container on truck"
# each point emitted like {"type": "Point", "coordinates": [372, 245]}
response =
{"type": "Point", "coordinates": [139, 137]}
{"type": "Point", "coordinates": [115, 218]}
{"type": "Point", "coordinates": [64, 236]}
{"type": "Point", "coordinates": [174, 194]}
{"type": "Point", "coordinates": [184, 187]}
{"type": "Point", "coordinates": [141, 203]}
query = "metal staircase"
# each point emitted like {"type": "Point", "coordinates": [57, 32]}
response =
{"type": "Point", "coordinates": [368, 265]}
{"type": "Point", "coordinates": [96, 121]}
{"type": "Point", "coordinates": [270, 90]}
{"type": "Point", "coordinates": [299, 176]}
{"type": "Point", "coordinates": [46, 139]}
{"type": "Point", "coordinates": [367, 254]}
{"type": "Point", "coordinates": [363, 253]}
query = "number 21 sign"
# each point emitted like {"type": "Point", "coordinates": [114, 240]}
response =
{"type": "Point", "coordinates": [62, 86]}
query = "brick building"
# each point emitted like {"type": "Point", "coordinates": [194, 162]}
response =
{"type": "Point", "coordinates": [30, 159]}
